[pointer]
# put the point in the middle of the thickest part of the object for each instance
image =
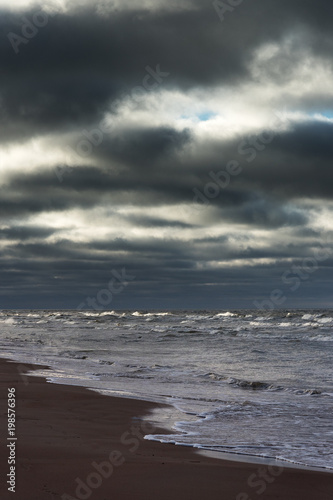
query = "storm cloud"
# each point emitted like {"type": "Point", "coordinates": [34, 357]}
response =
{"type": "Point", "coordinates": [187, 143]}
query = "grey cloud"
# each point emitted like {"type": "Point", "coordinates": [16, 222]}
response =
{"type": "Point", "coordinates": [265, 214]}
{"type": "Point", "coordinates": [75, 69]}
{"type": "Point", "coordinates": [295, 165]}
{"type": "Point", "coordinates": [158, 222]}
{"type": "Point", "coordinates": [71, 71]}
{"type": "Point", "coordinates": [25, 232]}
{"type": "Point", "coordinates": [143, 147]}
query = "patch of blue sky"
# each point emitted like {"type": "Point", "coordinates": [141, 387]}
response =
{"type": "Point", "coordinates": [202, 117]}
{"type": "Point", "coordinates": [326, 112]}
{"type": "Point", "coordinates": [207, 115]}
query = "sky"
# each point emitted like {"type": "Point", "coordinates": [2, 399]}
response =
{"type": "Point", "coordinates": [166, 155]}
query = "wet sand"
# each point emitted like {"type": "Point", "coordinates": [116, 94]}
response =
{"type": "Point", "coordinates": [73, 443]}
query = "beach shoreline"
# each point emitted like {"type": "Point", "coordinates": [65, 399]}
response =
{"type": "Point", "coordinates": [73, 443]}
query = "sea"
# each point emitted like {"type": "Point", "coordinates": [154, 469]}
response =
{"type": "Point", "coordinates": [247, 383]}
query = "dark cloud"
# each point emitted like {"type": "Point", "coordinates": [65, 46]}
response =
{"type": "Point", "coordinates": [158, 222]}
{"type": "Point", "coordinates": [295, 165]}
{"type": "Point", "coordinates": [73, 68]}
{"type": "Point", "coordinates": [25, 232]}
{"type": "Point", "coordinates": [143, 147]}
{"type": "Point", "coordinates": [84, 64]}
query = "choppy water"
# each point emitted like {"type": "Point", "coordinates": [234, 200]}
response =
{"type": "Point", "coordinates": [243, 382]}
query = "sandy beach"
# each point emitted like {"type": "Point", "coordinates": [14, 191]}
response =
{"type": "Point", "coordinates": [73, 443]}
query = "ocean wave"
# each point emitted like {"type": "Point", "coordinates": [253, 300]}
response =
{"type": "Point", "coordinates": [215, 376]}
{"type": "Point", "coordinates": [248, 384]}
{"type": "Point", "coordinates": [150, 314]}
{"type": "Point", "coordinates": [9, 321]}
{"type": "Point", "coordinates": [73, 355]}
{"type": "Point", "coordinates": [227, 314]}
{"type": "Point", "coordinates": [257, 385]}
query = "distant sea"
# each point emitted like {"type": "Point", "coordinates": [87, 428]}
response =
{"type": "Point", "coordinates": [245, 382]}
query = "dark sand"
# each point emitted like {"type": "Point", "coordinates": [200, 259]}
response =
{"type": "Point", "coordinates": [63, 430]}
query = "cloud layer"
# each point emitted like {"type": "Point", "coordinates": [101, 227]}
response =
{"type": "Point", "coordinates": [192, 152]}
